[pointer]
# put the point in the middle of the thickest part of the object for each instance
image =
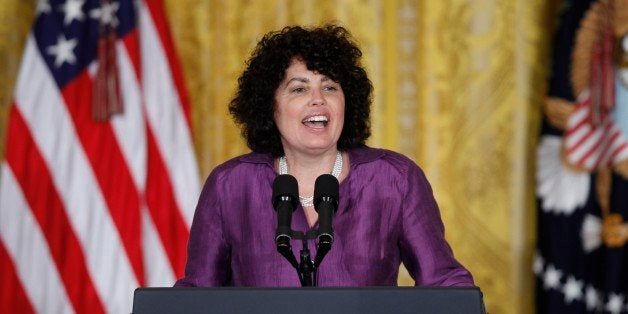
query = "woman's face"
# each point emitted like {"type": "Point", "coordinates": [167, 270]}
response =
{"type": "Point", "coordinates": [309, 110]}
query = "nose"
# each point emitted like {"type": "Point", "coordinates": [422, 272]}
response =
{"type": "Point", "coordinates": [317, 97]}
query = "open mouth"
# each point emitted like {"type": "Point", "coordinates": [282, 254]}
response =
{"type": "Point", "coordinates": [316, 121]}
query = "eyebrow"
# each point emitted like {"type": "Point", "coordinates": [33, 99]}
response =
{"type": "Point", "coordinates": [297, 79]}
{"type": "Point", "coordinates": [305, 80]}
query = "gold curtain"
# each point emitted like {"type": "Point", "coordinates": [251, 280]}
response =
{"type": "Point", "coordinates": [458, 85]}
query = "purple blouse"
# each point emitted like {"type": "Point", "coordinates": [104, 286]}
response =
{"type": "Point", "coordinates": [386, 215]}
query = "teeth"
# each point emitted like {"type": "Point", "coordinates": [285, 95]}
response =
{"type": "Point", "coordinates": [316, 119]}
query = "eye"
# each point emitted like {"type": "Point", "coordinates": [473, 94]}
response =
{"type": "Point", "coordinates": [298, 90]}
{"type": "Point", "coordinates": [330, 88]}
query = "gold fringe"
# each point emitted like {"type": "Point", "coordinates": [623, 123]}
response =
{"type": "Point", "coordinates": [603, 182]}
{"type": "Point", "coordinates": [622, 169]}
{"type": "Point", "coordinates": [614, 231]}
{"type": "Point", "coordinates": [601, 14]}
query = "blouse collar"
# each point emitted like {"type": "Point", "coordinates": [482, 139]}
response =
{"type": "Point", "coordinates": [357, 156]}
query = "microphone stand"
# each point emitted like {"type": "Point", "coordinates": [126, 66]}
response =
{"type": "Point", "coordinates": [306, 268]}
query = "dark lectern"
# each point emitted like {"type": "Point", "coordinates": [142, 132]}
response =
{"type": "Point", "coordinates": [309, 300]}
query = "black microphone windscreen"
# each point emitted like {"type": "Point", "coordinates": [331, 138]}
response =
{"type": "Point", "coordinates": [285, 185]}
{"type": "Point", "coordinates": [326, 186]}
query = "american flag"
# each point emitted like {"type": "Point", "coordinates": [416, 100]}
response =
{"type": "Point", "coordinates": [576, 270]}
{"type": "Point", "coordinates": [99, 184]}
{"type": "Point", "coordinates": [591, 144]}
{"type": "Point", "coordinates": [593, 141]}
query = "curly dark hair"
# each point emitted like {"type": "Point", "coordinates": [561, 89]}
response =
{"type": "Point", "coordinates": [328, 50]}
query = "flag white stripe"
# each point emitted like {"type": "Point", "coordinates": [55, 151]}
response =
{"type": "Point", "coordinates": [29, 250]}
{"type": "Point", "coordinates": [580, 114]}
{"type": "Point", "coordinates": [166, 117]}
{"type": "Point", "coordinates": [574, 138]}
{"type": "Point", "coordinates": [73, 176]}
{"type": "Point", "coordinates": [129, 127]}
{"type": "Point", "coordinates": [605, 136]}
{"type": "Point", "coordinates": [576, 155]}
{"type": "Point", "coordinates": [157, 266]}
{"type": "Point", "coordinates": [598, 155]}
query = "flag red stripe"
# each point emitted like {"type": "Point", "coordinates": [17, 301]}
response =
{"type": "Point", "coordinates": [43, 198]}
{"type": "Point", "coordinates": [155, 7]}
{"type": "Point", "coordinates": [573, 130]}
{"type": "Point", "coordinates": [595, 146]}
{"type": "Point", "coordinates": [607, 144]}
{"type": "Point", "coordinates": [163, 208]}
{"type": "Point", "coordinates": [13, 299]}
{"type": "Point", "coordinates": [113, 175]}
{"type": "Point", "coordinates": [581, 123]}
{"type": "Point", "coordinates": [576, 146]}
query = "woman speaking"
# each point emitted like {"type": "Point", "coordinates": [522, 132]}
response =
{"type": "Point", "coordinates": [303, 103]}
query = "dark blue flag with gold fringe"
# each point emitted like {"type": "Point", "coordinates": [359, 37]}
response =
{"type": "Point", "coordinates": [581, 263]}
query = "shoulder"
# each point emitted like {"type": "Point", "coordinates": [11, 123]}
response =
{"type": "Point", "coordinates": [382, 159]}
{"type": "Point", "coordinates": [241, 167]}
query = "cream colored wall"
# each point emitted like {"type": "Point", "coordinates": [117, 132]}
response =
{"type": "Point", "coordinates": [457, 88]}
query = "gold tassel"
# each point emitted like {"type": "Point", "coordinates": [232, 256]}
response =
{"type": "Point", "coordinates": [106, 100]}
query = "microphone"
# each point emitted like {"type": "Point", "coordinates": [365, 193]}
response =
{"type": "Point", "coordinates": [326, 204]}
{"type": "Point", "coordinates": [285, 196]}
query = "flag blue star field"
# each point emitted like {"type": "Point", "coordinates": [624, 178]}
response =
{"type": "Point", "coordinates": [581, 264]}
{"type": "Point", "coordinates": [100, 180]}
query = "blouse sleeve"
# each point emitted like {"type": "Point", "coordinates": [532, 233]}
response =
{"type": "Point", "coordinates": [424, 250]}
{"type": "Point", "coordinates": [208, 260]}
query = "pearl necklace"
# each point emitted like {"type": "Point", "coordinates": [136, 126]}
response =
{"type": "Point", "coordinates": [308, 201]}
